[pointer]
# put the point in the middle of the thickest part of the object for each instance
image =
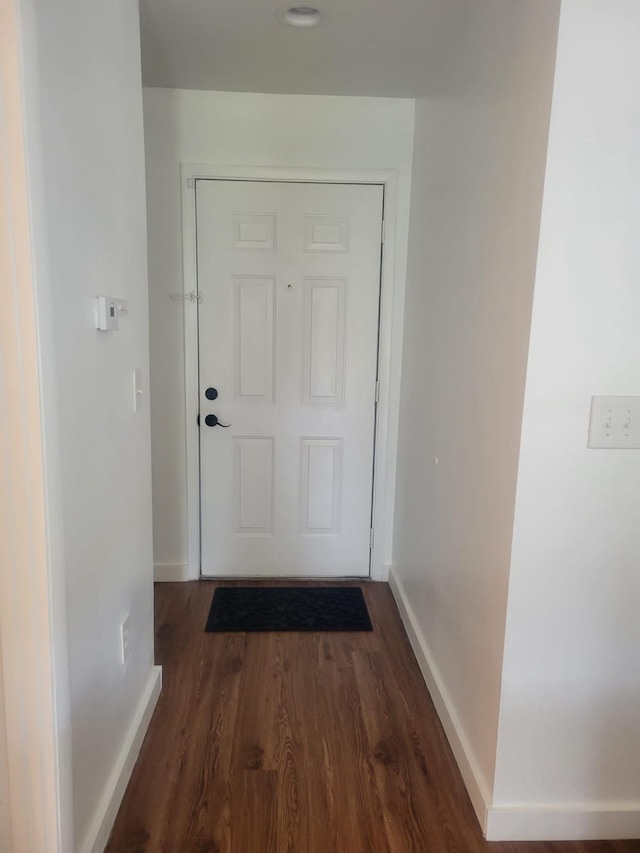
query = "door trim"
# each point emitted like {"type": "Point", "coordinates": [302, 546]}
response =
{"type": "Point", "coordinates": [389, 343]}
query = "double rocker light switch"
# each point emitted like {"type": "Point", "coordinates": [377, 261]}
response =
{"type": "Point", "coordinates": [615, 423]}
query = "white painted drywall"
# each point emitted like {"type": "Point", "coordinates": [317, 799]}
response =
{"type": "Point", "coordinates": [237, 129]}
{"type": "Point", "coordinates": [33, 678]}
{"type": "Point", "coordinates": [478, 171]}
{"type": "Point", "coordinates": [83, 101]}
{"type": "Point", "coordinates": [377, 49]}
{"type": "Point", "coordinates": [570, 715]}
{"type": "Point", "coordinates": [5, 811]}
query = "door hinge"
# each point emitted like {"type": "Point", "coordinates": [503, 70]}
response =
{"type": "Point", "coordinates": [191, 297]}
{"type": "Point", "coordinates": [371, 539]}
{"type": "Point", "coordinates": [377, 391]}
{"type": "Point", "coordinates": [382, 232]}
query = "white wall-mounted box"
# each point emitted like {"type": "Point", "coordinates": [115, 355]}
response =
{"type": "Point", "coordinates": [106, 314]}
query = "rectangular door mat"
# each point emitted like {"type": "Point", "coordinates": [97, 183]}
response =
{"type": "Point", "coordinates": [259, 608]}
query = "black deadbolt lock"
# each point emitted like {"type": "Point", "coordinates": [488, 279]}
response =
{"type": "Point", "coordinates": [211, 393]}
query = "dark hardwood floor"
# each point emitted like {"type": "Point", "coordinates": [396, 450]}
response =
{"type": "Point", "coordinates": [297, 743]}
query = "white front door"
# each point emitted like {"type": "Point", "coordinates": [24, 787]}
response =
{"type": "Point", "coordinates": [289, 280]}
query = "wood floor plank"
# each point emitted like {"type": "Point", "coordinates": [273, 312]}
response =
{"type": "Point", "coordinates": [253, 812]}
{"type": "Point", "coordinates": [409, 817]}
{"type": "Point", "coordinates": [298, 743]}
{"type": "Point", "coordinates": [355, 803]}
{"type": "Point", "coordinates": [256, 731]}
{"type": "Point", "coordinates": [203, 771]}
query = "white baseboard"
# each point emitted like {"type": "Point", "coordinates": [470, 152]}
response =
{"type": "Point", "coordinates": [593, 822]}
{"type": "Point", "coordinates": [477, 788]}
{"type": "Point", "coordinates": [96, 839]}
{"type": "Point", "coordinates": [170, 572]}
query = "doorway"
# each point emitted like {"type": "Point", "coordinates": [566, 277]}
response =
{"type": "Point", "coordinates": [288, 296]}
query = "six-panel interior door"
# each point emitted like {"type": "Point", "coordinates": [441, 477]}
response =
{"type": "Point", "coordinates": [289, 275]}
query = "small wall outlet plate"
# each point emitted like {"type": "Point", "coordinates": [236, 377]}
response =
{"type": "Point", "coordinates": [615, 423]}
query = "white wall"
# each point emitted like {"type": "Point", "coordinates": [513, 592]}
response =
{"type": "Point", "coordinates": [239, 129]}
{"type": "Point", "coordinates": [570, 718]}
{"type": "Point", "coordinates": [478, 170]}
{"type": "Point", "coordinates": [33, 754]}
{"type": "Point", "coordinates": [83, 100]}
{"type": "Point", "coordinates": [5, 810]}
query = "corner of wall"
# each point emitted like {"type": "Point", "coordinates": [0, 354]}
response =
{"type": "Point", "coordinates": [171, 572]}
{"type": "Point", "coordinates": [100, 827]}
{"type": "Point", "coordinates": [477, 786]}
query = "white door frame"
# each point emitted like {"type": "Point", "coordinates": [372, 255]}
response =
{"type": "Point", "coordinates": [389, 344]}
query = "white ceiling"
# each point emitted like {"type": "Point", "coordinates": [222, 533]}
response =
{"type": "Point", "coordinates": [362, 47]}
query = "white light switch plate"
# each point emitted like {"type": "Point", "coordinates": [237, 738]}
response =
{"type": "Point", "coordinates": [615, 423]}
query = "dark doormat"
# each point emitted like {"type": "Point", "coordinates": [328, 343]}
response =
{"type": "Point", "coordinates": [286, 608]}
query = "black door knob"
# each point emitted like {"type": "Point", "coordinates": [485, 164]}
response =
{"type": "Point", "coordinates": [212, 420]}
{"type": "Point", "coordinates": [211, 393]}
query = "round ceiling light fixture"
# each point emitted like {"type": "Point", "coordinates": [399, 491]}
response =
{"type": "Point", "coordinates": [301, 16]}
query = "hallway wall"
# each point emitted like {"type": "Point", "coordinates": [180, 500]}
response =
{"type": "Point", "coordinates": [239, 129]}
{"type": "Point", "coordinates": [478, 170]}
{"type": "Point", "coordinates": [83, 98]}
{"type": "Point", "coordinates": [570, 715]}
{"type": "Point", "coordinates": [5, 814]}
{"type": "Point", "coordinates": [32, 754]}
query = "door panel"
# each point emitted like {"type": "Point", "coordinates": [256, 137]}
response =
{"type": "Point", "coordinates": [289, 276]}
{"type": "Point", "coordinates": [254, 337]}
{"type": "Point", "coordinates": [324, 331]}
